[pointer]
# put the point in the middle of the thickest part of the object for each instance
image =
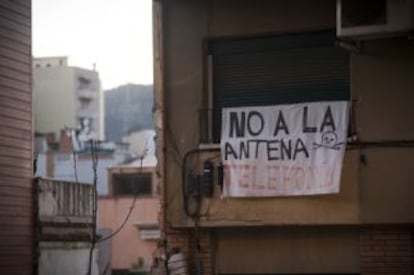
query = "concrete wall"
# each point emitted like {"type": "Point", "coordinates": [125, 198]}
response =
{"type": "Point", "coordinates": [93, 93]}
{"type": "Point", "coordinates": [287, 250]}
{"type": "Point", "coordinates": [380, 78]}
{"type": "Point", "coordinates": [66, 258]}
{"type": "Point", "coordinates": [64, 220]}
{"type": "Point", "coordinates": [46, 62]}
{"type": "Point", "coordinates": [41, 165]}
{"type": "Point", "coordinates": [53, 85]}
{"type": "Point", "coordinates": [382, 81]}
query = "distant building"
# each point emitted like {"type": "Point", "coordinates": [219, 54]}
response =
{"type": "Point", "coordinates": [55, 159]}
{"type": "Point", "coordinates": [64, 215]}
{"type": "Point", "coordinates": [65, 96]}
{"type": "Point", "coordinates": [128, 108]}
{"type": "Point", "coordinates": [141, 142]}
{"type": "Point", "coordinates": [134, 183]}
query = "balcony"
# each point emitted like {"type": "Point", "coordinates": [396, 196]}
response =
{"type": "Point", "coordinates": [86, 94]}
{"type": "Point", "coordinates": [64, 210]}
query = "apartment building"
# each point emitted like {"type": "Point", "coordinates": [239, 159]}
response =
{"type": "Point", "coordinates": [224, 72]}
{"type": "Point", "coordinates": [75, 94]}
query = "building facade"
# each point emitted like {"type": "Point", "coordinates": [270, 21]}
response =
{"type": "Point", "coordinates": [211, 55]}
{"type": "Point", "coordinates": [17, 253]}
{"type": "Point", "coordinates": [131, 185]}
{"type": "Point", "coordinates": [64, 228]}
{"type": "Point", "coordinates": [75, 93]}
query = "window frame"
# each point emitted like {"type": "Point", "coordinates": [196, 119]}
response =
{"type": "Point", "coordinates": [115, 180]}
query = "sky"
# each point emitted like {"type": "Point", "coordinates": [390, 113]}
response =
{"type": "Point", "coordinates": [114, 34]}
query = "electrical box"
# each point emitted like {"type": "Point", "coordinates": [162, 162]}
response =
{"type": "Point", "coordinates": [207, 180]}
{"type": "Point", "coordinates": [364, 19]}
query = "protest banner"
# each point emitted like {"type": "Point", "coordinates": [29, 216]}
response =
{"type": "Point", "coordinates": [283, 150]}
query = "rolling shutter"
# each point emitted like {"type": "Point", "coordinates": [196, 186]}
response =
{"type": "Point", "coordinates": [276, 70]}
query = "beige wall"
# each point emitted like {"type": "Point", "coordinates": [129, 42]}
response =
{"type": "Point", "coordinates": [94, 110]}
{"type": "Point", "coordinates": [382, 84]}
{"type": "Point", "coordinates": [66, 258]}
{"type": "Point", "coordinates": [287, 250]}
{"type": "Point", "coordinates": [381, 79]}
{"type": "Point", "coordinates": [54, 99]}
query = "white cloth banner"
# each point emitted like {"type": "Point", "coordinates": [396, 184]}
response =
{"type": "Point", "coordinates": [283, 150]}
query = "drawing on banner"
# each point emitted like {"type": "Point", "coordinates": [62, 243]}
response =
{"type": "Point", "coordinates": [283, 150]}
{"type": "Point", "coordinates": [328, 140]}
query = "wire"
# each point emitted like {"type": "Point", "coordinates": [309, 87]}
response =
{"type": "Point", "coordinates": [75, 169]}
{"type": "Point", "coordinates": [129, 211]}
{"type": "Point", "coordinates": [214, 157]}
{"type": "Point", "coordinates": [95, 159]}
{"type": "Point", "coordinates": [382, 143]}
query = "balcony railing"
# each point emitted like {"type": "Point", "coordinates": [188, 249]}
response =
{"type": "Point", "coordinates": [63, 203]}
{"type": "Point", "coordinates": [87, 93]}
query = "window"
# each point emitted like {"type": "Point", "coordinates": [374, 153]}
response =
{"type": "Point", "coordinates": [84, 83]}
{"type": "Point", "coordinates": [84, 103]}
{"type": "Point", "coordinates": [274, 70]}
{"type": "Point", "coordinates": [363, 13]}
{"type": "Point", "coordinates": [131, 184]}
{"type": "Point", "coordinates": [148, 231]}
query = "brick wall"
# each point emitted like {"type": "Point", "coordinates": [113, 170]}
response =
{"type": "Point", "coordinates": [65, 143]}
{"type": "Point", "coordinates": [386, 251]}
{"type": "Point", "coordinates": [383, 250]}
{"type": "Point", "coordinates": [204, 252]}
{"type": "Point", "coordinates": [178, 239]}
